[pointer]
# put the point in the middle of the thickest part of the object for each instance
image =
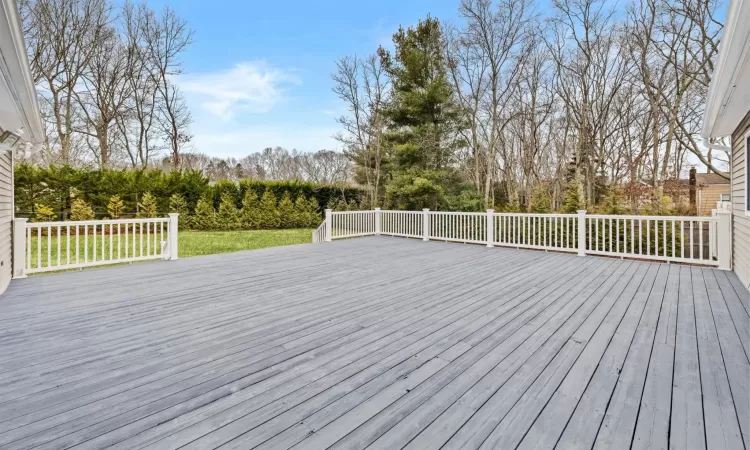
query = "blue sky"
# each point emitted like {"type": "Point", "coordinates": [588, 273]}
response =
{"type": "Point", "coordinates": [258, 73]}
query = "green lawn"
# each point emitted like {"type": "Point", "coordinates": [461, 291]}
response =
{"type": "Point", "coordinates": [194, 243]}
{"type": "Point", "coordinates": [191, 243]}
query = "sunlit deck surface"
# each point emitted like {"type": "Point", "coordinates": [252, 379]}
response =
{"type": "Point", "coordinates": [377, 343]}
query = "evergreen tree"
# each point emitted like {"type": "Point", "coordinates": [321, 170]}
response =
{"type": "Point", "coordinates": [422, 116]}
{"type": "Point", "coordinates": [540, 201]}
{"type": "Point", "coordinates": [312, 213]}
{"type": "Point", "coordinates": [228, 217]}
{"type": "Point", "coordinates": [80, 210]}
{"type": "Point", "coordinates": [574, 199]}
{"type": "Point", "coordinates": [250, 212]}
{"type": "Point", "coordinates": [205, 215]}
{"type": "Point", "coordinates": [178, 204]}
{"type": "Point", "coordinates": [43, 213]}
{"type": "Point", "coordinates": [147, 206]}
{"type": "Point", "coordinates": [613, 202]}
{"type": "Point", "coordinates": [300, 213]}
{"type": "Point", "coordinates": [115, 207]}
{"type": "Point", "coordinates": [514, 203]}
{"type": "Point", "coordinates": [269, 217]}
{"type": "Point", "coordinates": [287, 213]}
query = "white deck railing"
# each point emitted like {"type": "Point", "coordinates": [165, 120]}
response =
{"type": "Point", "coordinates": [685, 239]}
{"type": "Point", "coordinates": [319, 234]}
{"type": "Point", "coordinates": [53, 246]}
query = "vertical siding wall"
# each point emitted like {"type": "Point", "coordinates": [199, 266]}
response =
{"type": "Point", "coordinates": [741, 222]}
{"type": "Point", "coordinates": [6, 217]}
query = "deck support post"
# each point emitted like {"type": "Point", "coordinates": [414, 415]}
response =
{"type": "Point", "coordinates": [426, 224]}
{"type": "Point", "coordinates": [723, 239]}
{"type": "Point", "coordinates": [328, 230]}
{"type": "Point", "coordinates": [581, 232]}
{"type": "Point", "coordinates": [173, 242]}
{"type": "Point", "coordinates": [490, 228]}
{"type": "Point", "coordinates": [377, 221]}
{"type": "Point", "coordinates": [19, 247]}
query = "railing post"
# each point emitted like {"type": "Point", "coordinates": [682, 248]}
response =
{"type": "Point", "coordinates": [425, 224]}
{"type": "Point", "coordinates": [328, 230]}
{"type": "Point", "coordinates": [490, 228]}
{"type": "Point", "coordinates": [19, 247]}
{"type": "Point", "coordinates": [173, 241]}
{"type": "Point", "coordinates": [581, 232]}
{"type": "Point", "coordinates": [723, 239]}
{"type": "Point", "coordinates": [377, 221]}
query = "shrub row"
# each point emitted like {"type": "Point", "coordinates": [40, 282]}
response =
{"type": "Point", "coordinates": [255, 213]}
{"type": "Point", "coordinates": [58, 186]}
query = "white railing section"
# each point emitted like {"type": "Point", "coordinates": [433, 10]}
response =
{"type": "Point", "coordinates": [458, 227]}
{"type": "Point", "coordinates": [685, 239]}
{"type": "Point", "coordinates": [402, 223]}
{"type": "Point", "coordinates": [537, 231]}
{"type": "Point", "coordinates": [53, 246]}
{"type": "Point", "coordinates": [319, 234]}
{"type": "Point", "coordinates": [678, 239]}
{"type": "Point", "coordinates": [348, 224]}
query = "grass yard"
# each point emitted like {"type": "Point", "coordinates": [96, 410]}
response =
{"type": "Point", "coordinates": [194, 243]}
{"type": "Point", "coordinates": [191, 243]}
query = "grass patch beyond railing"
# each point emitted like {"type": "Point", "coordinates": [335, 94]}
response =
{"type": "Point", "coordinates": [195, 243]}
{"type": "Point", "coordinates": [191, 243]}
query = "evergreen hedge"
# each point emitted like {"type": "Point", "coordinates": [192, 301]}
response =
{"type": "Point", "coordinates": [57, 187]}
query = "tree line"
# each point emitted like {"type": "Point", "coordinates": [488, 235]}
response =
{"type": "Point", "coordinates": [583, 104]}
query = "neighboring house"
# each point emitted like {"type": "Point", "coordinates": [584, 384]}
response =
{"type": "Point", "coordinates": [21, 130]}
{"type": "Point", "coordinates": [710, 188]}
{"type": "Point", "coordinates": [728, 114]}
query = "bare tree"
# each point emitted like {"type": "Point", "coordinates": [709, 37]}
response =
{"type": "Point", "coordinates": [362, 85]}
{"type": "Point", "coordinates": [63, 37]}
{"type": "Point", "coordinates": [165, 37]}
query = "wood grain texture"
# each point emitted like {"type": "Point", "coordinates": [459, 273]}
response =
{"type": "Point", "coordinates": [376, 342]}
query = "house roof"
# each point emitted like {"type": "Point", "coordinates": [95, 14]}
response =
{"type": "Point", "coordinates": [19, 110]}
{"type": "Point", "coordinates": [710, 178]}
{"type": "Point", "coordinates": [728, 98]}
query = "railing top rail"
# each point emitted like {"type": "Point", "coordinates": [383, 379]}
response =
{"type": "Point", "coordinates": [398, 211]}
{"type": "Point", "coordinates": [456, 213]}
{"type": "Point", "coordinates": [95, 222]}
{"type": "Point", "coordinates": [534, 214]}
{"type": "Point", "coordinates": [354, 212]}
{"type": "Point", "coordinates": [632, 217]}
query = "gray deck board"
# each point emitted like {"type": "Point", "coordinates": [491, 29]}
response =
{"type": "Point", "coordinates": [379, 343]}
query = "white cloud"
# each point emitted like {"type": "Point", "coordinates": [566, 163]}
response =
{"type": "Point", "coordinates": [248, 87]}
{"type": "Point", "coordinates": [239, 143]}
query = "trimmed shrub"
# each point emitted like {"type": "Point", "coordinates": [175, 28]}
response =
{"type": "Point", "coordinates": [80, 210]}
{"type": "Point", "coordinates": [250, 212]}
{"type": "Point", "coordinates": [115, 207]}
{"type": "Point", "coordinates": [312, 217]}
{"type": "Point", "coordinates": [269, 217]}
{"type": "Point", "coordinates": [178, 204]}
{"type": "Point", "coordinates": [287, 213]}
{"type": "Point", "coordinates": [574, 199]}
{"type": "Point", "coordinates": [43, 213]}
{"type": "Point", "coordinates": [147, 207]}
{"type": "Point", "coordinates": [205, 215]}
{"type": "Point", "coordinates": [540, 201]}
{"type": "Point", "coordinates": [228, 217]}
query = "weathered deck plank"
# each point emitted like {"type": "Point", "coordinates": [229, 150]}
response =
{"type": "Point", "coordinates": [380, 342]}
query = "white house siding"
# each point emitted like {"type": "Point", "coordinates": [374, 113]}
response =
{"type": "Point", "coordinates": [6, 217]}
{"type": "Point", "coordinates": [741, 221]}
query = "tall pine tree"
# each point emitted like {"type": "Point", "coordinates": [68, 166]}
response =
{"type": "Point", "coordinates": [422, 118]}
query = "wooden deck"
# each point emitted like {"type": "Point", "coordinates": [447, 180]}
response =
{"type": "Point", "coordinates": [377, 342]}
